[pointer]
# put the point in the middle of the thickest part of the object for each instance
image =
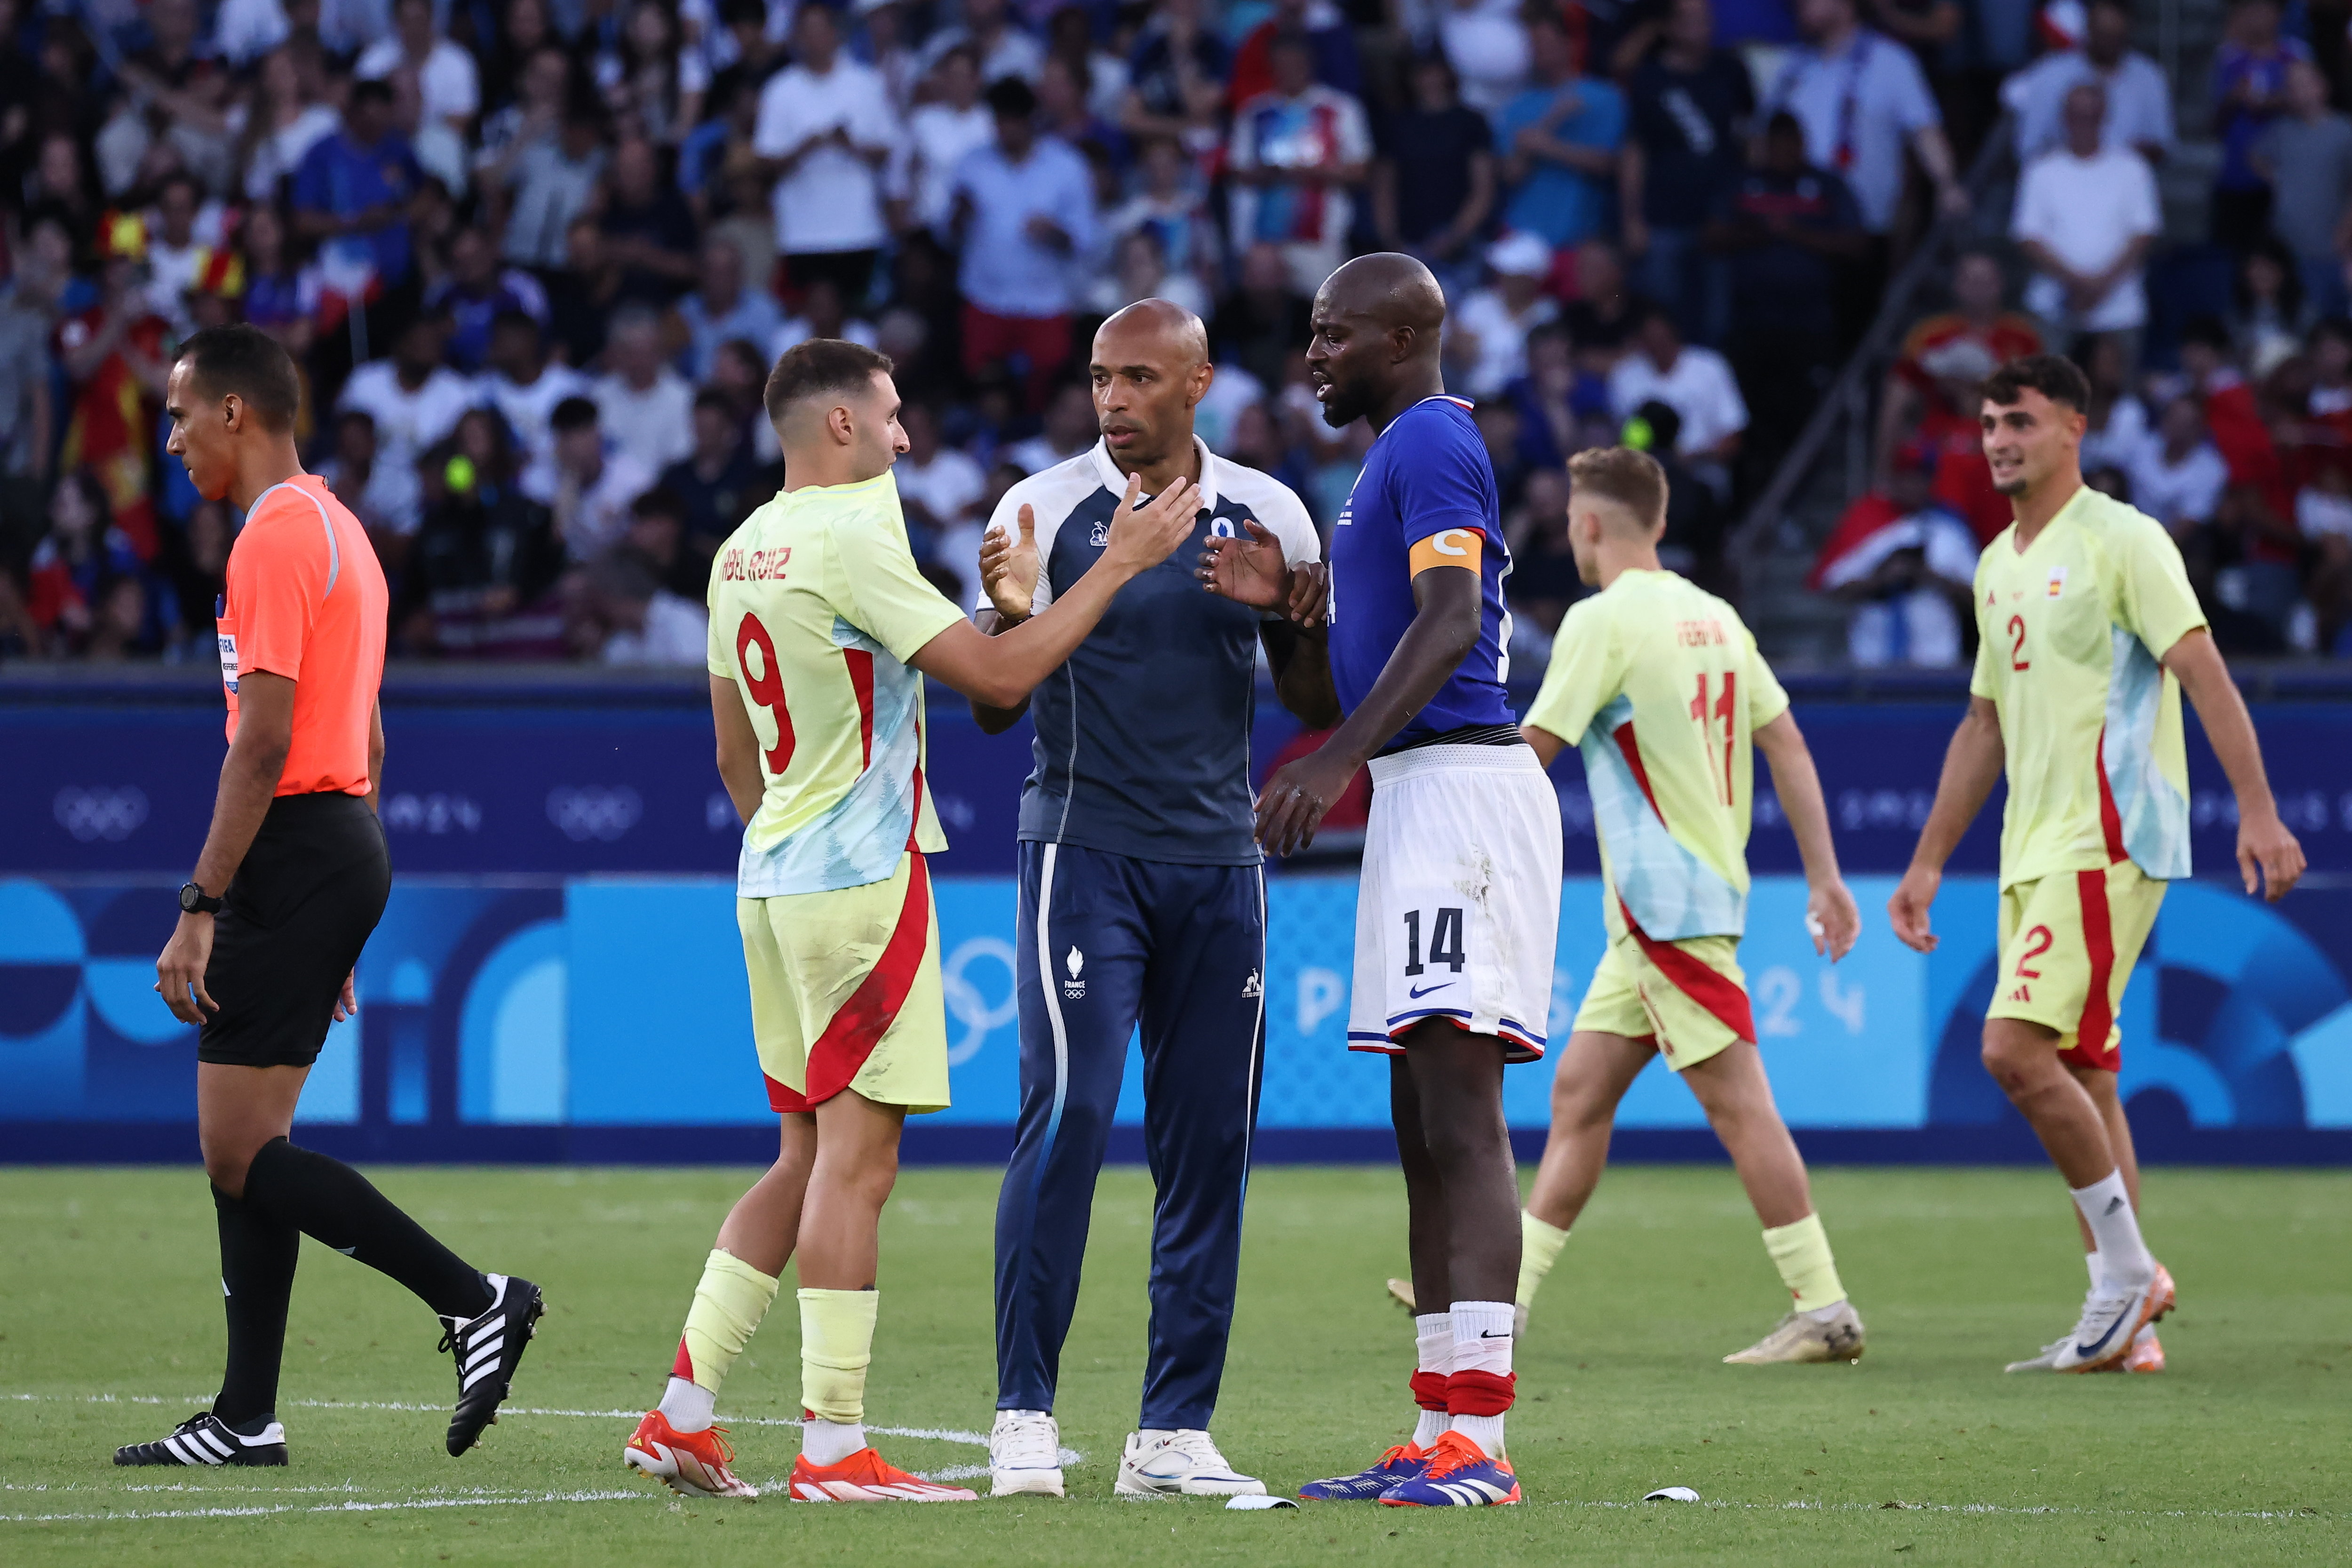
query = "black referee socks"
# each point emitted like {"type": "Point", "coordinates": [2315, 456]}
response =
{"type": "Point", "coordinates": [258, 1257]}
{"type": "Point", "coordinates": [331, 1203]}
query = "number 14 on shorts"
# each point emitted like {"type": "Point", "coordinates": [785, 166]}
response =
{"type": "Point", "coordinates": [1445, 941]}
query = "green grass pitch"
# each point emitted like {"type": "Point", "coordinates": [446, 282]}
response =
{"type": "Point", "coordinates": [110, 1331]}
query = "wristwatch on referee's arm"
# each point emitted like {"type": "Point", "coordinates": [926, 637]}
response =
{"type": "Point", "coordinates": [194, 901]}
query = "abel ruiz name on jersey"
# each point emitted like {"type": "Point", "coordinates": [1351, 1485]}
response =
{"type": "Point", "coordinates": [1142, 744]}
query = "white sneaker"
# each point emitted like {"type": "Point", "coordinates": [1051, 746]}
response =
{"type": "Point", "coordinates": [1179, 1464]}
{"type": "Point", "coordinates": [2104, 1335]}
{"type": "Point", "coordinates": [1800, 1338]}
{"type": "Point", "coordinates": [1024, 1455]}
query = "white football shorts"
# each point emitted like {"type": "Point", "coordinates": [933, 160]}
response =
{"type": "Point", "coordinates": [1457, 915]}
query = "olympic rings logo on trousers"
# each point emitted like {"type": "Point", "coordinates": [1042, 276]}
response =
{"type": "Point", "coordinates": [979, 1016]}
{"type": "Point", "coordinates": [101, 811]}
{"type": "Point", "coordinates": [593, 811]}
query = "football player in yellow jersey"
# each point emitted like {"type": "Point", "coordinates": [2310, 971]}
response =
{"type": "Point", "coordinates": [2088, 634]}
{"type": "Point", "coordinates": [821, 631]}
{"type": "Point", "coordinates": [1659, 684]}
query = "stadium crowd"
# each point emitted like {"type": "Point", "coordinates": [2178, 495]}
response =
{"type": "Point", "coordinates": [535, 257]}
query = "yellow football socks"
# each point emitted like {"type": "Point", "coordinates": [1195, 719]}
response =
{"type": "Point", "coordinates": [1801, 1252]}
{"type": "Point", "coordinates": [728, 1305]}
{"type": "Point", "coordinates": [836, 1345]}
{"type": "Point", "coordinates": [1540, 1246]}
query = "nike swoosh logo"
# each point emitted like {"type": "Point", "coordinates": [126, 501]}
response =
{"type": "Point", "coordinates": [1491, 1334]}
{"type": "Point", "coordinates": [1418, 992]}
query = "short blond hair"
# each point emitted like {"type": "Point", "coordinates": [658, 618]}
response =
{"type": "Point", "coordinates": [1631, 479]}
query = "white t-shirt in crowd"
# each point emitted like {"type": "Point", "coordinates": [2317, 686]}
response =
{"type": "Point", "coordinates": [2116, 443]}
{"type": "Point", "coordinates": [527, 411]}
{"type": "Point", "coordinates": [831, 200]}
{"type": "Point", "coordinates": [2321, 514]}
{"type": "Point", "coordinates": [448, 86]}
{"type": "Point", "coordinates": [1502, 338]}
{"type": "Point", "coordinates": [796, 330]}
{"type": "Point", "coordinates": [2139, 101]}
{"type": "Point", "coordinates": [938, 138]}
{"type": "Point", "coordinates": [655, 425]}
{"type": "Point", "coordinates": [592, 520]}
{"type": "Point", "coordinates": [1860, 108]}
{"type": "Point", "coordinates": [406, 422]}
{"type": "Point", "coordinates": [2085, 211]}
{"type": "Point", "coordinates": [1487, 45]}
{"type": "Point", "coordinates": [677, 631]}
{"type": "Point", "coordinates": [1700, 387]}
{"type": "Point", "coordinates": [947, 487]}
{"type": "Point", "coordinates": [2177, 492]}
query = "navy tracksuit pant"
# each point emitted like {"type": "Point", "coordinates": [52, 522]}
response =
{"type": "Point", "coordinates": [1107, 941]}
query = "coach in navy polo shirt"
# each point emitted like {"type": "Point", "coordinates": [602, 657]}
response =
{"type": "Point", "coordinates": [1142, 900]}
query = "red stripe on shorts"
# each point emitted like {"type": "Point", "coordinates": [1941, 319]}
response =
{"type": "Point", "coordinates": [2111, 821]}
{"type": "Point", "coordinates": [785, 1097]}
{"type": "Point", "coordinates": [873, 1007]}
{"type": "Point", "coordinates": [2099, 940]}
{"type": "Point", "coordinates": [1694, 979]}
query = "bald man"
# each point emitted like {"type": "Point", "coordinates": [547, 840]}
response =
{"type": "Point", "coordinates": [1459, 906]}
{"type": "Point", "coordinates": [1143, 897]}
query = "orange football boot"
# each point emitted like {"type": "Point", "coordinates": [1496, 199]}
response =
{"type": "Point", "coordinates": [867, 1476]}
{"type": "Point", "coordinates": [692, 1464]}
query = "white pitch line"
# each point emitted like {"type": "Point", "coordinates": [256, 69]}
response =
{"type": "Point", "coordinates": [513, 1499]}
{"type": "Point", "coordinates": [1984, 1508]}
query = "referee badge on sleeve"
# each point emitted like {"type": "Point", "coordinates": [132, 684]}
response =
{"type": "Point", "coordinates": [228, 660]}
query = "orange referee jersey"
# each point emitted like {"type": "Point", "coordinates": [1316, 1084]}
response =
{"type": "Point", "coordinates": [307, 600]}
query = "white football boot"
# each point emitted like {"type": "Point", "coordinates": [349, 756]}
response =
{"type": "Point", "coordinates": [2103, 1335]}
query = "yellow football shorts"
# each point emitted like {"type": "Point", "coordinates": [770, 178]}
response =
{"type": "Point", "coordinates": [2068, 941]}
{"type": "Point", "coordinates": [846, 993]}
{"type": "Point", "coordinates": [1689, 997]}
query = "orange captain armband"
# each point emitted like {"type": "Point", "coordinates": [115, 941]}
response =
{"type": "Point", "coordinates": [1448, 547]}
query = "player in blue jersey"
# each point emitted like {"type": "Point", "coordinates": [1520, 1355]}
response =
{"type": "Point", "coordinates": [1142, 899]}
{"type": "Point", "coordinates": [1459, 906]}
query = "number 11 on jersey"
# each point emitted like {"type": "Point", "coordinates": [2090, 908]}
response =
{"type": "Point", "coordinates": [1725, 708]}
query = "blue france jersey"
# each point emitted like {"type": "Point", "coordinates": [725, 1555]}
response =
{"type": "Point", "coordinates": [1143, 736]}
{"type": "Point", "coordinates": [1428, 472]}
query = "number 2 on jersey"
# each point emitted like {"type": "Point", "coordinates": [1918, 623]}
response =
{"type": "Point", "coordinates": [2017, 659]}
{"type": "Point", "coordinates": [1725, 709]}
{"type": "Point", "coordinates": [767, 688]}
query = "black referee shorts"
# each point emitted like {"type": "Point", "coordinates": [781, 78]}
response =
{"type": "Point", "coordinates": [290, 927]}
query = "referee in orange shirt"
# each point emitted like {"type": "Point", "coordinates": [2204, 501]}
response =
{"type": "Point", "coordinates": [293, 877]}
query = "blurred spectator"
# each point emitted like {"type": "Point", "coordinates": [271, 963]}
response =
{"type": "Point", "coordinates": [542, 88]}
{"type": "Point", "coordinates": [1004, 49]}
{"type": "Point", "coordinates": [2267, 309]}
{"type": "Point", "coordinates": [352, 190]}
{"type": "Point", "coordinates": [448, 88]}
{"type": "Point", "coordinates": [2139, 99]}
{"type": "Point", "coordinates": [524, 389]}
{"type": "Point", "coordinates": [648, 230]}
{"type": "Point", "coordinates": [1695, 383]}
{"type": "Point", "coordinates": [1544, 579]}
{"type": "Point", "coordinates": [1863, 102]}
{"type": "Point", "coordinates": [1908, 568]}
{"type": "Point", "coordinates": [2306, 156]}
{"type": "Point", "coordinates": [595, 482]}
{"type": "Point", "coordinates": [643, 622]}
{"type": "Point", "coordinates": [385, 497]}
{"type": "Point", "coordinates": [198, 567]}
{"type": "Point", "coordinates": [2179, 476]}
{"type": "Point", "coordinates": [1138, 271]}
{"type": "Point", "coordinates": [717, 487]}
{"type": "Point", "coordinates": [1297, 149]}
{"type": "Point", "coordinates": [2086, 218]}
{"type": "Point", "coordinates": [1559, 142]}
{"type": "Point", "coordinates": [477, 291]}
{"type": "Point", "coordinates": [485, 552]}
{"type": "Point", "coordinates": [1916, 394]}
{"type": "Point", "coordinates": [1485, 42]}
{"type": "Point", "coordinates": [1069, 430]}
{"type": "Point", "coordinates": [2250, 83]}
{"type": "Point", "coordinates": [413, 399]}
{"type": "Point", "coordinates": [939, 135]}
{"type": "Point", "coordinates": [1786, 229]}
{"type": "Point", "coordinates": [1332, 59]}
{"type": "Point", "coordinates": [2118, 424]}
{"type": "Point", "coordinates": [2323, 513]}
{"type": "Point", "coordinates": [1487, 339]}
{"type": "Point", "coordinates": [72, 567]}
{"type": "Point", "coordinates": [646, 407]}
{"type": "Point", "coordinates": [1601, 310]}
{"type": "Point", "coordinates": [1556, 400]}
{"type": "Point", "coordinates": [723, 308]}
{"type": "Point", "coordinates": [1688, 108]}
{"type": "Point", "coordinates": [826, 128]}
{"type": "Point", "coordinates": [1176, 77]}
{"type": "Point", "coordinates": [553, 176]}
{"type": "Point", "coordinates": [28, 425]}
{"type": "Point", "coordinates": [1434, 178]}
{"type": "Point", "coordinates": [175, 257]}
{"type": "Point", "coordinates": [822, 315]}
{"type": "Point", "coordinates": [1025, 213]}
{"type": "Point", "coordinates": [111, 351]}
{"type": "Point", "coordinates": [1261, 323]}
{"type": "Point", "coordinates": [650, 78]}
{"type": "Point", "coordinates": [939, 487]}
{"type": "Point", "coordinates": [283, 122]}
{"type": "Point", "coordinates": [1070, 38]}
{"type": "Point", "coordinates": [583, 295]}
{"type": "Point", "coordinates": [1170, 205]}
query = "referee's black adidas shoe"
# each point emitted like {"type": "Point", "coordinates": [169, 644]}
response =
{"type": "Point", "coordinates": [204, 1439]}
{"type": "Point", "coordinates": [488, 1348]}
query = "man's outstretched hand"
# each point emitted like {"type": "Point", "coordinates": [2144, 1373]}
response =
{"type": "Point", "coordinates": [1008, 568]}
{"type": "Point", "coordinates": [1249, 570]}
{"type": "Point", "coordinates": [1294, 801]}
